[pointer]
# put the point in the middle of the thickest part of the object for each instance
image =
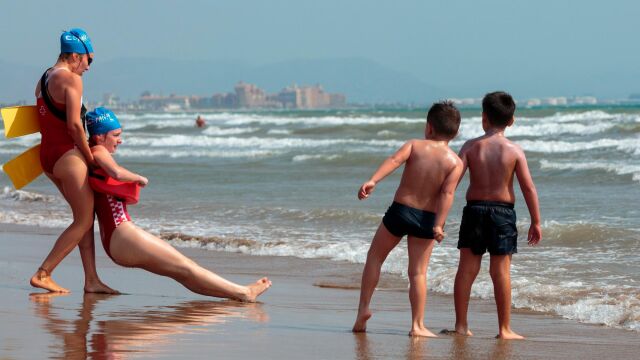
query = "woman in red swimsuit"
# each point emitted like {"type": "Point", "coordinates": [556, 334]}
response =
{"type": "Point", "coordinates": [130, 246]}
{"type": "Point", "coordinates": [65, 156]}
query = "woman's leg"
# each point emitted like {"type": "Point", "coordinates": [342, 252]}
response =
{"type": "Point", "coordinates": [92, 282]}
{"type": "Point", "coordinates": [133, 247]}
{"type": "Point", "coordinates": [70, 172]}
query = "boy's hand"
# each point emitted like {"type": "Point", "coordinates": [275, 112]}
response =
{"type": "Point", "coordinates": [535, 234]}
{"type": "Point", "coordinates": [438, 233]}
{"type": "Point", "coordinates": [366, 189]}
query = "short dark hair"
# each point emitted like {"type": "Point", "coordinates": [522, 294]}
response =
{"type": "Point", "coordinates": [444, 117]}
{"type": "Point", "coordinates": [499, 107]}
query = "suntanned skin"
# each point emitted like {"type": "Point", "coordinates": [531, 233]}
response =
{"type": "Point", "coordinates": [493, 160]}
{"type": "Point", "coordinates": [133, 247]}
{"type": "Point", "coordinates": [70, 177]}
{"type": "Point", "coordinates": [428, 182]}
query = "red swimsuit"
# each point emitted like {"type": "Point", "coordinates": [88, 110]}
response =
{"type": "Point", "coordinates": [111, 213]}
{"type": "Point", "coordinates": [55, 138]}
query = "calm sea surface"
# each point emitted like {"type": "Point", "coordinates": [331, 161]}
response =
{"type": "Point", "coordinates": [284, 183]}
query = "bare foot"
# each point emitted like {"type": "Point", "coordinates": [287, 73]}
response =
{"type": "Point", "coordinates": [41, 279]}
{"type": "Point", "coordinates": [454, 333]}
{"type": "Point", "coordinates": [421, 331]}
{"type": "Point", "coordinates": [256, 289]}
{"type": "Point", "coordinates": [98, 287]}
{"type": "Point", "coordinates": [462, 331]}
{"type": "Point", "coordinates": [361, 321]}
{"type": "Point", "coordinates": [509, 335]}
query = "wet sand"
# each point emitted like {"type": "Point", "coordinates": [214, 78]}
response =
{"type": "Point", "coordinates": [306, 314]}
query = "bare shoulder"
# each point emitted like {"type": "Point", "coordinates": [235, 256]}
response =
{"type": "Point", "coordinates": [513, 147]}
{"type": "Point", "coordinates": [99, 150]}
{"type": "Point", "coordinates": [468, 145]}
{"type": "Point", "coordinates": [67, 78]}
{"type": "Point", "coordinates": [453, 159]}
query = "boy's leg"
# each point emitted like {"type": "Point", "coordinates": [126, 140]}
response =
{"type": "Point", "coordinates": [383, 242]}
{"type": "Point", "coordinates": [419, 255]}
{"type": "Point", "coordinates": [468, 269]}
{"type": "Point", "coordinates": [500, 270]}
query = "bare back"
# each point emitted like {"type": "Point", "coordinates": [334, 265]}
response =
{"type": "Point", "coordinates": [492, 161]}
{"type": "Point", "coordinates": [424, 174]}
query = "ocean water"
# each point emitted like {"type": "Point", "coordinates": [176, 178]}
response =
{"type": "Point", "coordinates": [284, 183]}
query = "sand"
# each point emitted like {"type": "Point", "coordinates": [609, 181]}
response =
{"type": "Point", "coordinates": [295, 319]}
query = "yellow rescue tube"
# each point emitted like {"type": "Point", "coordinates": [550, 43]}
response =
{"type": "Point", "coordinates": [24, 168]}
{"type": "Point", "coordinates": [20, 120]}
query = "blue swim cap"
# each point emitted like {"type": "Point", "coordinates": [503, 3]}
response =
{"type": "Point", "coordinates": [75, 41]}
{"type": "Point", "coordinates": [101, 121]}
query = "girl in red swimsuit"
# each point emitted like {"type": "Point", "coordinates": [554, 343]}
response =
{"type": "Point", "coordinates": [130, 246]}
{"type": "Point", "coordinates": [64, 156]}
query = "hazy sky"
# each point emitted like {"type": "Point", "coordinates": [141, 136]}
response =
{"type": "Point", "coordinates": [531, 48]}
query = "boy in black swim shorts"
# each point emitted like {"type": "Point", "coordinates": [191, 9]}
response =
{"type": "Point", "coordinates": [420, 207]}
{"type": "Point", "coordinates": [489, 220]}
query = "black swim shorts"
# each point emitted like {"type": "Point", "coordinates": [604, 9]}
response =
{"type": "Point", "coordinates": [403, 220]}
{"type": "Point", "coordinates": [489, 226]}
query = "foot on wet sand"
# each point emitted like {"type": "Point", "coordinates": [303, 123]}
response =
{"type": "Point", "coordinates": [256, 289]}
{"type": "Point", "coordinates": [422, 332]}
{"type": "Point", "coordinates": [361, 321]}
{"type": "Point", "coordinates": [41, 279]}
{"type": "Point", "coordinates": [509, 335]}
{"type": "Point", "coordinates": [461, 332]}
{"type": "Point", "coordinates": [98, 287]}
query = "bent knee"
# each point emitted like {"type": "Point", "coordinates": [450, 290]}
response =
{"type": "Point", "coordinates": [499, 274]}
{"type": "Point", "coordinates": [417, 273]}
{"type": "Point", "coordinates": [83, 222]}
{"type": "Point", "coordinates": [469, 271]}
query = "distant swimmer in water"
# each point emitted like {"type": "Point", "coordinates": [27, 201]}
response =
{"type": "Point", "coordinates": [130, 246]}
{"type": "Point", "coordinates": [200, 122]}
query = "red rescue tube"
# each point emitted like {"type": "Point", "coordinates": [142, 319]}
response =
{"type": "Point", "coordinates": [129, 192]}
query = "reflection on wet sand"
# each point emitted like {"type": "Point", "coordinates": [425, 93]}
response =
{"type": "Point", "coordinates": [417, 348]}
{"type": "Point", "coordinates": [363, 350]}
{"type": "Point", "coordinates": [462, 350]}
{"type": "Point", "coordinates": [114, 334]}
{"type": "Point", "coordinates": [502, 349]}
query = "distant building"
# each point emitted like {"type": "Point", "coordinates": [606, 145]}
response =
{"type": "Point", "coordinates": [225, 101]}
{"type": "Point", "coordinates": [584, 100]}
{"type": "Point", "coordinates": [555, 101]}
{"type": "Point", "coordinates": [466, 101]}
{"type": "Point", "coordinates": [289, 97]}
{"type": "Point", "coordinates": [247, 96]}
{"type": "Point", "coordinates": [169, 103]}
{"type": "Point", "coordinates": [533, 102]}
{"type": "Point", "coordinates": [250, 96]}
{"type": "Point", "coordinates": [309, 97]}
{"type": "Point", "coordinates": [110, 100]}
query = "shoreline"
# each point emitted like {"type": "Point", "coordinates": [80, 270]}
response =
{"type": "Point", "coordinates": [296, 317]}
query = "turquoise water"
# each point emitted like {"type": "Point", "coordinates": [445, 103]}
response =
{"type": "Point", "coordinates": [285, 182]}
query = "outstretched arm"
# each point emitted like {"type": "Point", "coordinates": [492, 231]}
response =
{"type": "Point", "coordinates": [530, 197]}
{"type": "Point", "coordinates": [387, 167]}
{"type": "Point", "coordinates": [108, 164]}
{"type": "Point", "coordinates": [445, 199]}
